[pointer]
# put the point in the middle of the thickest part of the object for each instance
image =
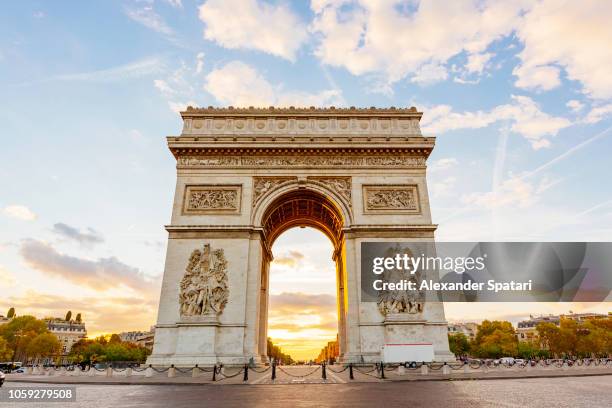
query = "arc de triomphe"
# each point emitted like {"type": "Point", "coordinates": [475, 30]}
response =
{"type": "Point", "coordinates": [244, 176]}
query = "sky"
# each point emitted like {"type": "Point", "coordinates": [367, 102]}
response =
{"type": "Point", "coordinates": [519, 95]}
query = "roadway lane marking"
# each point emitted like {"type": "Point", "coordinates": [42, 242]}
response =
{"type": "Point", "coordinates": [260, 379]}
{"type": "Point", "coordinates": [335, 377]}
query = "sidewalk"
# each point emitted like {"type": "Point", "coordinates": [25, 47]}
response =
{"type": "Point", "coordinates": [305, 375]}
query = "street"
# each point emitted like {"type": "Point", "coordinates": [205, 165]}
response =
{"type": "Point", "coordinates": [534, 392]}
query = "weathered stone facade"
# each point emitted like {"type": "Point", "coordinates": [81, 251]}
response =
{"type": "Point", "coordinates": [244, 176]}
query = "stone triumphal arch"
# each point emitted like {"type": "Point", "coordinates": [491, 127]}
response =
{"type": "Point", "coordinates": [244, 176]}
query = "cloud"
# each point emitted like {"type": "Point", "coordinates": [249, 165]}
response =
{"type": "Point", "coordinates": [575, 105]}
{"type": "Point", "coordinates": [523, 113]}
{"type": "Point", "coordinates": [175, 3]}
{"type": "Point", "coordinates": [291, 259]}
{"type": "Point", "coordinates": [149, 18]}
{"type": "Point", "coordinates": [256, 25]}
{"type": "Point", "coordinates": [239, 84]}
{"type": "Point", "coordinates": [7, 279]}
{"type": "Point", "coordinates": [598, 113]}
{"type": "Point", "coordinates": [199, 62]}
{"type": "Point", "coordinates": [429, 74]}
{"type": "Point", "coordinates": [302, 301]}
{"type": "Point", "coordinates": [514, 192]}
{"type": "Point", "coordinates": [87, 238]}
{"type": "Point", "coordinates": [102, 274]}
{"type": "Point", "coordinates": [478, 62]}
{"type": "Point", "coordinates": [443, 164]}
{"type": "Point", "coordinates": [399, 39]}
{"type": "Point", "coordinates": [20, 212]}
{"type": "Point", "coordinates": [302, 323]}
{"type": "Point", "coordinates": [131, 70]}
{"type": "Point", "coordinates": [443, 188]}
{"type": "Point", "coordinates": [568, 34]}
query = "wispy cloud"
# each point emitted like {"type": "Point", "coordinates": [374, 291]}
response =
{"type": "Point", "coordinates": [20, 212]}
{"type": "Point", "coordinates": [88, 237]}
{"type": "Point", "coordinates": [149, 18]}
{"type": "Point", "coordinates": [135, 69]}
{"type": "Point", "coordinates": [101, 274]}
{"type": "Point", "coordinates": [240, 84]}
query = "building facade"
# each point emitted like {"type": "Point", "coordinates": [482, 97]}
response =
{"type": "Point", "coordinates": [470, 330]}
{"type": "Point", "coordinates": [67, 332]}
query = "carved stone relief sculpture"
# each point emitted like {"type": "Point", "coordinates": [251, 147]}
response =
{"type": "Point", "coordinates": [393, 302]}
{"type": "Point", "coordinates": [263, 185]}
{"type": "Point", "coordinates": [212, 199]}
{"type": "Point", "coordinates": [341, 185]}
{"type": "Point", "coordinates": [391, 198]}
{"type": "Point", "coordinates": [203, 289]}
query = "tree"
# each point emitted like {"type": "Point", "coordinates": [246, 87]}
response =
{"type": "Point", "coordinates": [100, 350]}
{"type": "Point", "coordinates": [43, 345]}
{"type": "Point", "coordinates": [20, 331]}
{"type": "Point", "coordinates": [78, 318]}
{"type": "Point", "coordinates": [5, 351]}
{"type": "Point", "coordinates": [11, 313]}
{"type": "Point", "coordinates": [459, 344]}
{"type": "Point", "coordinates": [495, 339]}
{"type": "Point", "coordinates": [572, 338]}
{"type": "Point", "coordinates": [68, 316]}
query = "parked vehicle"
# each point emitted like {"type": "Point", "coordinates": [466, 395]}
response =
{"type": "Point", "coordinates": [2, 377]}
{"type": "Point", "coordinates": [506, 360]}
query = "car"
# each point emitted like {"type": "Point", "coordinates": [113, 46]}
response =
{"type": "Point", "coordinates": [20, 370]}
{"type": "Point", "coordinates": [2, 377]}
{"type": "Point", "coordinates": [506, 360]}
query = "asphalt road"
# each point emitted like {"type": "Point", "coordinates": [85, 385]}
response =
{"type": "Point", "coordinates": [588, 392]}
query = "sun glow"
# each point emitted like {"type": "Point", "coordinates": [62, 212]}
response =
{"type": "Point", "coordinates": [303, 313]}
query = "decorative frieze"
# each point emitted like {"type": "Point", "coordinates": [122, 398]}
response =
{"type": "Point", "coordinates": [392, 198]}
{"type": "Point", "coordinates": [301, 161]}
{"type": "Point", "coordinates": [282, 121]}
{"type": "Point", "coordinates": [212, 198]}
{"type": "Point", "coordinates": [203, 289]}
{"type": "Point", "coordinates": [263, 185]}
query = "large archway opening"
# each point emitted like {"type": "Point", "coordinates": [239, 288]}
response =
{"type": "Point", "coordinates": [302, 314]}
{"type": "Point", "coordinates": [296, 307]}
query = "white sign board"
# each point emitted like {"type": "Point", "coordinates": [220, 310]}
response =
{"type": "Point", "coordinates": [401, 353]}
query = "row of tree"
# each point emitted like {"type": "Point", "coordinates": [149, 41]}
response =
{"type": "Point", "coordinates": [78, 319]}
{"type": "Point", "coordinates": [496, 339]}
{"type": "Point", "coordinates": [107, 349]}
{"type": "Point", "coordinates": [26, 338]}
{"type": "Point", "coordinates": [277, 354]}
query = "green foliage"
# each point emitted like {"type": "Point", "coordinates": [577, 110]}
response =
{"type": "Point", "coordinates": [459, 344]}
{"type": "Point", "coordinates": [20, 331]}
{"type": "Point", "coordinates": [43, 345]}
{"type": "Point", "coordinates": [574, 339]}
{"type": "Point", "coordinates": [103, 350]}
{"type": "Point", "coordinates": [68, 316]}
{"type": "Point", "coordinates": [5, 351]}
{"type": "Point", "coordinates": [495, 339]}
{"type": "Point", "coordinates": [11, 313]}
{"type": "Point", "coordinates": [277, 353]}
